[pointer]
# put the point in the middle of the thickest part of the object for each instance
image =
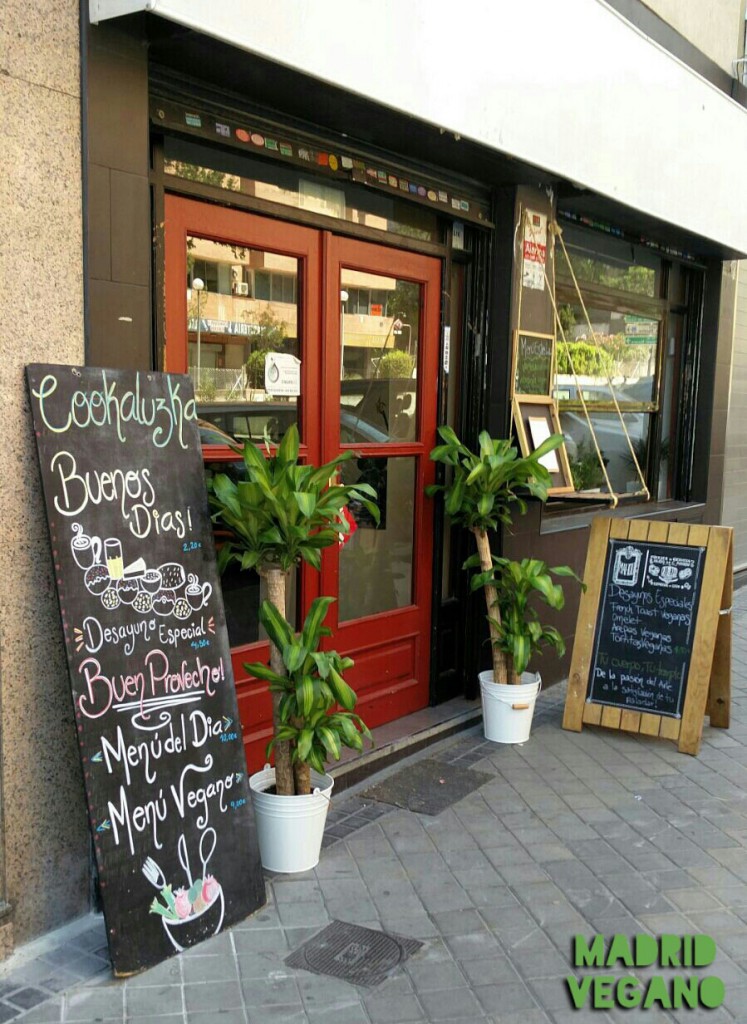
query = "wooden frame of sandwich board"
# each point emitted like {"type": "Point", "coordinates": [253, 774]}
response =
{"type": "Point", "coordinates": [525, 408]}
{"type": "Point", "coordinates": [708, 684]}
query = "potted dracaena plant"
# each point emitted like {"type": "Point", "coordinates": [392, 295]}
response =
{"type": "Point", "coordinates": [484, 489]}
{"type": "Point", "coordinates": [283, 513]}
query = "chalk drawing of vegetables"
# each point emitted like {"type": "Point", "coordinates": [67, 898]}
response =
{"type": "Point", "coordinates": [191, 913]}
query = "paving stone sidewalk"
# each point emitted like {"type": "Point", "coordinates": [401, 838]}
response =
{"type": "Point", "coordinates": [597, 832]}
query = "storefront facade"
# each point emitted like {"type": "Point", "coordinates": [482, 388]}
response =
{"type": "Point", "coordinates": [247, 212]}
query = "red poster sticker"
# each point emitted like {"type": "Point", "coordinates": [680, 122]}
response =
{"type": "Point", "coordinates": [322, 159]}
{"type": "Point", "coordinates": [242, 135]}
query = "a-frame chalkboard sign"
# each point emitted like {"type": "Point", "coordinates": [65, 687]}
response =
{"type": "Point", "coordinates": [652, 653]}
{"type": "Point", "coordinates": [150, 663]}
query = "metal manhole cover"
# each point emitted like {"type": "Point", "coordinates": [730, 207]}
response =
{"type": "Point", "coordinates": [356, 954]}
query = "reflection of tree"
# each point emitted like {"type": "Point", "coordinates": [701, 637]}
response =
{"type": "Point", "coordinates": [204, 175]}
{"type": "Point", "coordinates": [404, 302]}
{"type": "Point", "coordinates": [270, 338]}
{"type": "Point", "coordinates": [636, 279]}
{"type": "Point", "coordinates": [271, 334]}
{"type": "Point", "coordinates": [396, 363]}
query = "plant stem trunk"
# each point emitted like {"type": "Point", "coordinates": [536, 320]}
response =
{"type": "Point", "coordinates": [302, 776]}
{"type": "Point", "coordinates": [500, 666]}
{"type": "Point", "coordinates": [284, 780]}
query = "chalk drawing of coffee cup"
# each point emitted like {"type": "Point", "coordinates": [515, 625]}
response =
{"type": "Point", "coordinates": [198, 596]}
{"type": "Point", "coordinates": [86, 550]}
{"type": "Point", "coordinates": [172, 575]}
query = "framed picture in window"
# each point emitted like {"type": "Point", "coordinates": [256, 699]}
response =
{"type": "Point", "coordinates": [536, 419]}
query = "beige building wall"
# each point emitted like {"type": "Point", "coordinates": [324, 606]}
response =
{"type": "Point", "coordinates": [44, 845]}
{"type": "Point", "coordinates": [716, 27]}
{"type": "Point", "coordinates": [735, 477]}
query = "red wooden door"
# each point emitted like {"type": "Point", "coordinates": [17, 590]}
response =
{"type": "Point", "coordinates": [380, 369]}
{"type": "Point", "coordinates": [363, 321]}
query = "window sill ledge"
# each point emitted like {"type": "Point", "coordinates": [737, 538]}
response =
{"type": "Point", "coordinates": [562, 521]}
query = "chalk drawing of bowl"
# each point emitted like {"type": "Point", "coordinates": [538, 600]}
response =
{"type": "Point", "coordinates": [209, 921]}
{"type": "Point", "coordinates": [163, 602]}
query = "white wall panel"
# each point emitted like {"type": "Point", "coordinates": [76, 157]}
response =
{"type": "Point", "coordinates": [571, 87]}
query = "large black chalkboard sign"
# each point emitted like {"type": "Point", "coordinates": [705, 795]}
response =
{"type": "Point", "coordinates": [148, 654]}
{"type": "Point", "coordinates": [652, 650]}
{"type": "Point", "coordinates": [644, 636]}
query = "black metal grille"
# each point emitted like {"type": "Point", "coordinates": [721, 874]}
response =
{"type": "Point", "coordinates": [353, 953]}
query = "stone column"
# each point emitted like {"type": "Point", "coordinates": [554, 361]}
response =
{"type": "Point", "coordinates": [44, 847]}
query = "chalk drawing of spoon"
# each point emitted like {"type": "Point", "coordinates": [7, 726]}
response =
{"type": "Point", "coordinates": [205, 857]}
{"type": "Point", "coordinates": [184, 857]}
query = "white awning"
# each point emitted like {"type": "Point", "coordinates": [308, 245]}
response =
{"type": "Point", "coordinates": [570, 87]}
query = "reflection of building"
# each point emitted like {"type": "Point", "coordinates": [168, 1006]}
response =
{"type": "Point", "coordinates": [250, 303]}
{"type": "Point", "coordinates": [302, 172]}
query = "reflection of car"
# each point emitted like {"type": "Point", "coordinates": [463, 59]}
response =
{"type": "Point", "coordinates": [639, 392]}
{"type": "Point", "coordinates": [610, 438]}
{"type": "Point", "coordinates": [245, 421]}
{"type": "Point", "coordinates": [211, 434]}
{"type": "Point", "coordinates": [607, 428]}
{"type": "Point", "coordinates": [252, 421]}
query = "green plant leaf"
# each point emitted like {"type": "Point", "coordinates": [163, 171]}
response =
{"type": "Point", "coordinates": [278, 630]}
{"type": "Point", "coordinates": [262, 671]}
{"type": "Point", "coordinates": [314, 621]}
{"type": "Point", "coordinates": [305, 695]}
{"type": "Point", "coordinates": [330, 741]}
{"type": "Point", "coordinates": [306, 502]}
{"type": "Point", "coordinates": [289, 446]}
{"type": "Point", "coordinates": [343, 693]}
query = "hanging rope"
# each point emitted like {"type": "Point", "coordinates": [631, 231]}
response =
{"type": "Point", "coordinates": [556, 232]}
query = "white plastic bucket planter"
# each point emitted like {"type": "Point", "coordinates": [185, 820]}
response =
{"type": "Point", "coordinates": [290, 828]}
{"type": "Point", "coordinates": [507, 710]}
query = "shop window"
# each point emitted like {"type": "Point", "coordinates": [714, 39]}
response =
{"type": "Point", "coordinates": [610, 371]}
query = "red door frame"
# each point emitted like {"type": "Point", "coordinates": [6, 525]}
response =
{"type": "Point", "coordinates": [185, 217]}
{"type": "Point", "coordinates": [406, 631]}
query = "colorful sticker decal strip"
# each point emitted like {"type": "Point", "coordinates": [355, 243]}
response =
{"type": "Point", "coordinates": [333, 163]}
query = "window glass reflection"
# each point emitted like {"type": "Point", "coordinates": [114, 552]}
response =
{"type": "Point", "coordinates": [620, 352]}
{"type": "Point", "coordinates": [376, 562]}
{"type": "Point", "coordinates": [289, 186]}
{"type": "Point", "coordinates": [585, 468]}
{"type": "Point", "coordinates": [244, 349]}
{"type": "Point", "coordinates": [379, 332]}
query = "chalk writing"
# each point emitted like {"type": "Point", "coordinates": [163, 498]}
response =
{"type": "Point", "coordinates": [643, 641]}
{"type": "Point", "coordinates": [148, 655]}
{"type": "Point", "coordinates": [533, 365]}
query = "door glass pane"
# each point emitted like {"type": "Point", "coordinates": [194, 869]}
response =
{"type": "Point", "coordinates": [376, 563]}
{"type": "Point", "coordinates": [244, 348]}
{"type": "Point", "coordinates": [379, 329]}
